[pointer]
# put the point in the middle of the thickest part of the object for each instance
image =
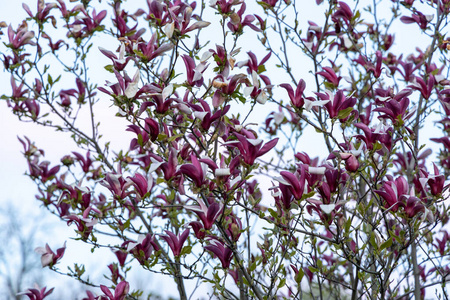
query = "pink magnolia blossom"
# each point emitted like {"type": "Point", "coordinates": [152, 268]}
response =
{"type": "Point", "coordinates": [20, 38]}
{"type": "Point", "coordinates": [49, 258]}
{"type": "Point", "coordinates": [120, 292]}
{"type": "Point", "coordinates": [176, 242]}
{"type": "Point", "coordinates": [36, 293]}
{"type": "Point", "coordinates": [296, 97]}
{"type": "Point", "coordinates": [330, 75]}
{"type": "Point", "coordinates": [419, 18]}
{"type": "Point", "coordinates": [143, 248]}
{"type": "Point", "coordinates": [221, 251]}
{"type": "Point", "coordinates": [251, 148]}
{"type": "Point", "coordinates": [208, 215]}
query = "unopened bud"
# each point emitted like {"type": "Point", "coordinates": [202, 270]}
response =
{"type": "Point", "coordinates": [235, 19]}
{"type": "Point", "coordinates": [235, 232]}
{"type": "Point", "coordinates": [352, 164]}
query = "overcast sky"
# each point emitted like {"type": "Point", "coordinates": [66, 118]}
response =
{"type": "Point", "coordinates": [20, 190]}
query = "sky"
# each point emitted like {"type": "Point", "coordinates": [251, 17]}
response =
{"type": "Point", "coordinates": [20, 191]}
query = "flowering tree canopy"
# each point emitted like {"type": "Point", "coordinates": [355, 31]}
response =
{"type": "Point", "coordinates": [204, 191]}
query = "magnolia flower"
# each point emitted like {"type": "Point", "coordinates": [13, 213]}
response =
{"type": "Point", "coordinates": [436, 181]}
{"type": "Point", "coordinates": [194, 73]}
{"type": "Point", "coordinates": [120, 292]}
{"type": "Point", "coordinates": [176, 242]}
{"type": "Point", "coordinates": [329, 74]}
{"type": "Point", "coordinates": [85, 163]}
{"type": "Point", "coordinates": [338, 102]}
{"type": "Point", "coordinates": [441, 244]}
{"type": "Point", "coordinates": [392, 192]}
{"type": "Point", "coordinates": [296, 182]}
{"type": "Point", "coordinates": [117, 185]}
{"type": "Point", "coordinates": [49, 258]}
{"type": "Point", "coordinates": [151, 50]}
{"type": "Point", "coordinates": [419, 18]}
{"type": "Point", "coordinates": [21, 37]}
{"type": "Point", "coordinates": [207, 215]}
{"type": "Point", "coordinates": [120, 62]}
{"type": "Point", "coordinates": [251, 148]}
{"type": "Point", "coordinates": [84, 223]}
{"type": "Point", "coordinates": [254, 91]}
{"type": "Point", "coordinates": [296, 97]}
{"type": "Point", "coordinates": [143, 248]}
{"type": "Point", "coordinates": [351, 162]}
{"type": "Point", "coordinates": [142, 184]}
{"type": "Point", "coordinates": [36, 293]}
{"type": "Point", "coordinates": [222, 251]}
{"type": "Point", "coordinates": [196, 171]}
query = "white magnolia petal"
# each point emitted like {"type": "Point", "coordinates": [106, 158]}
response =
{"type": "Point", "coordinates": [255, 79]}
{"type": "Point", "coordinates": [206, 55]}
{"type": "Point", "coordinates": [154, 166]}
{"type": "Point", "coordinates": [281, 180]}
{"type": "Point", "coordinates": [197, 75]}
{"type": "Point", "coordinates": [439, 77]}
{"type": "Point", "coordinates": [262, 98]}
{"type": "Point", "coordinates": [132, 87]}
{"type": "Point", "coordinates": [248, 90]}
{"type": "Point", "coordinates": [278, 118]}
{"type": "Point", "coordinates": [200, 115]}
{"type": "Point", "coordinates": [240, 64]}
{"type": "Point", "coordinates": [347, 42]}
{"type": "Point", "coordinates": [167, 91]}
{"type": "Point", "coordinates": [141, 238]}
{"type": "Point", "coordinates": [275, 194]}
{"type": "Point", "coordinates": [317, 170]}
{"type": "Point", "coordinates": [184, 108]}
{"type": "Point", "coordinates": [423, 182]}
{"type": "Point", "coordinates": [169, 29]}
{"type": "Point", "coordinates": [121, 53]}
{"type": "Point", "coordinates": [310, 104]}
{"type": "Point", "coordinates": [383, 99]}
{"type": "Point", "coordinates": [235, 180]}
{"type": "Point", "coordinates": [90, 223]}
{"type": "Point", "coordinates": [222, 172]}
{"type": "Point", "coordinates": [46, 259]}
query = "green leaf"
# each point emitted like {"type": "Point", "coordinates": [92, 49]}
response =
{"type": "Point", "coordinates": [342, 114]}
{"type": "Point", "coordinates": [273, 213]}
{"type": "Point", "coordinates": [373, 241]}
{"type": "Point", "coordinates": [186, 250]}
{"type": "Point", "coordinates": [109, 68]}
{"type": "Point", "coordinates": [261, 69]}
{"type": "Point", "coordinates": [282, 283]}
{"type": "Point", "coordinates": [252, 266]}
{"type": "Point", "coordinates": [347, 225]}
{"type": "Point", "coordinates": [299, 276]}
{"type": "Point", "coordinates": [386, 244]}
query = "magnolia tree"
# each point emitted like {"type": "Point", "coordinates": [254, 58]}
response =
{"type": "Point", "coordinates": [207, 196]}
